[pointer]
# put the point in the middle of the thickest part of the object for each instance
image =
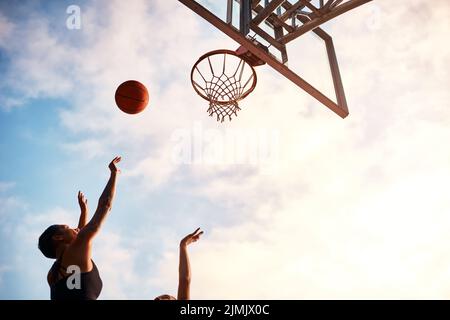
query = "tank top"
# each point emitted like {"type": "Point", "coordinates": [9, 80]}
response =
{"type": "Point", "coordinates": [90, 284]}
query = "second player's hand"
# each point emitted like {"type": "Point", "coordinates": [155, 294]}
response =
{"type": "Point", "coordinates": [192, 237]}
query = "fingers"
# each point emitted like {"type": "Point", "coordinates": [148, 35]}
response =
{"type": "Point", "coordinates": [112, 165]}
{"type": "Point", "coordinates": [192, 237]}
{"type": "Point", "coordinates": [196, 234]}
{"type": "Point", "coordinates": [193, 233]}
{"type": "Point", "coordinates": [81, 198]}
{"type": "Point", "coordinates": [116, 159]}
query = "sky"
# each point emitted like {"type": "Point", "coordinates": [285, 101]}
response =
{"type": "Point", "coordinates": [295, 202]}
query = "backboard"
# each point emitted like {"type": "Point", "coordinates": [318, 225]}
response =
{"type": "Point", "coordinates": [259, 24]}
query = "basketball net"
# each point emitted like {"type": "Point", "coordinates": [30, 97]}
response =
{"type": "Point", "coordinates": [223, 86]}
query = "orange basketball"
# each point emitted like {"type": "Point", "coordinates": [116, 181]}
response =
{"type": "Point", "coordinates": [131, 97]}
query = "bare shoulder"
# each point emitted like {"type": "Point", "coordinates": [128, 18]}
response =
{"type": "Point", "coordinates": [79, 256]}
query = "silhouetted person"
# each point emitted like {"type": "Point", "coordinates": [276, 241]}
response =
{"type": "Point", "coordinates": [73, 248]}
{"type": "Point", "coordinates": [184, 270]}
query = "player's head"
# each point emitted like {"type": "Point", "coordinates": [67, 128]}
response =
{"type": "Point", "coordinates": [165, 297]}
{"type": "Point", "coordinates": [54, 236]}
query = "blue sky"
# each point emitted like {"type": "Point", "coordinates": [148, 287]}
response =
{"type": "Point", "coordinates": [44, 167]}
{"type": "Point", "coordinates": [333, 211]}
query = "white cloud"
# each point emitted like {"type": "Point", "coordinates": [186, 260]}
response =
{"type": "Point", "coordinates": [154, 170]}
{"type": "Point", "coordinates": [10, 207]}
{"type": "Point", "coordinates": [116, 263]}
{"type": "Point", "coordinates": [114, 260]}
{"type": "Point", "coordinates": [388, 244]}
{"type": "Point", "coordinates": [356, 208]}
{"type": "Point", "coordinates": [88, 148]}
{"type": "Point", "coordinates": [35, 224]}
{"type": "Point", "coordinates": [6, 28]}
{"type": "Point", "coordinates": [22, 256]}
{"type": "Point", "coordinates": [6, 185]}
{"type": "Point", "coordinates": [3, 270]}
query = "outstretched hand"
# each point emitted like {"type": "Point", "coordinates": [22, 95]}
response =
{"type": "Point", "coordinates": [192, 237]}
{"type": "Point", "coordinates": [82, 201]}
{"type": "Point", "coordinates": [112, 166]}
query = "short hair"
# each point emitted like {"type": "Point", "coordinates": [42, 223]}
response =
{"type": "Point", "coordinates": [46, 243]}
{"type": "Point", "coordinates": [165, 297]}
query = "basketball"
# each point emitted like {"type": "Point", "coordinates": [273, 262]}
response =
{"type": "Point", "coordinates": [131, 97]}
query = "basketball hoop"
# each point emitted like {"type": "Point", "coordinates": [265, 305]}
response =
{"type": "Point", "coordinates": [223, 78]}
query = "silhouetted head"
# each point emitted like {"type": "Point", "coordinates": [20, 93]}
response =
{"type": "Point", "coordinates": [55, 236]}
{"type": "Point", "coordinates": [165, 297]}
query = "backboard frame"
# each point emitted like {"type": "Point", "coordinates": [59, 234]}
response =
{"type": "Point", "coordinates": [310, 21]}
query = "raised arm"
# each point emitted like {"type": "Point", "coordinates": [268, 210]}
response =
{"type": "Point", "coordinates": [82, 201]}
{"type": "Point", "coordinates": [104, 206]}
{"type": "Point", "coordinates": [184, 270]}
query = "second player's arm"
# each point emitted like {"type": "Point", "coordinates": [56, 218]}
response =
{"type": "Point", "coordinates": [184, 269]}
